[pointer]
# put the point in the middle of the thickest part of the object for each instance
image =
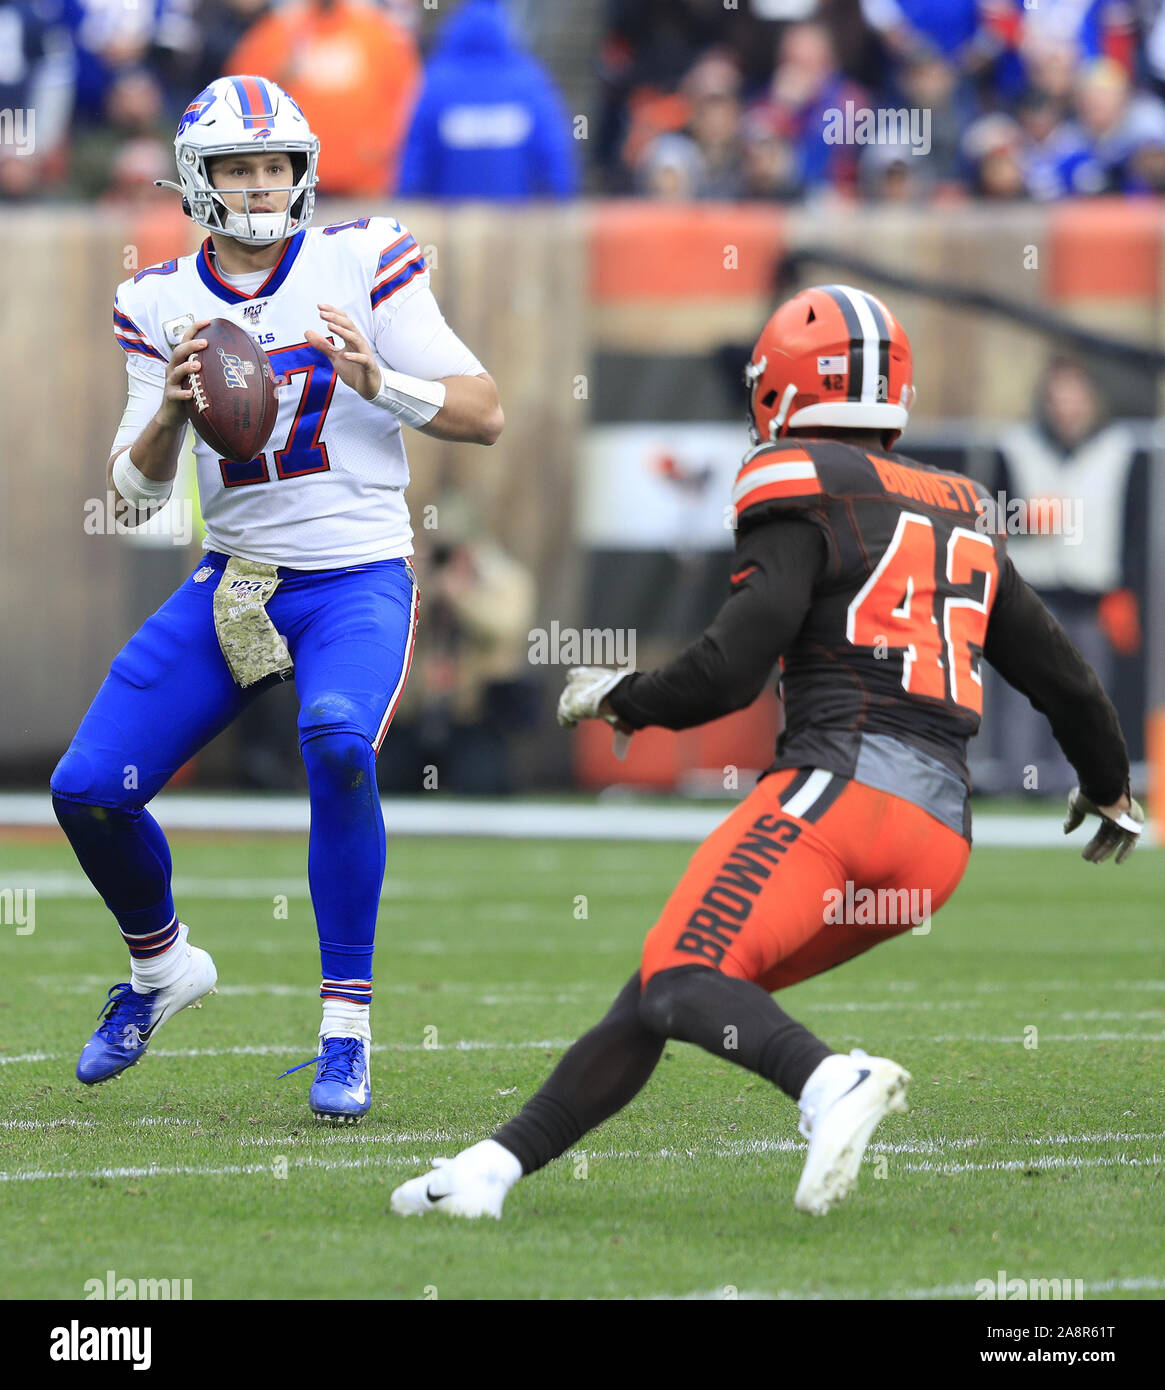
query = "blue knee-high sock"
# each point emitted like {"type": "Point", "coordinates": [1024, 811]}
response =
{"type": "Point", "coordinates": [345, 859]}
{"type": "Point", "coordinates": [126, 858]}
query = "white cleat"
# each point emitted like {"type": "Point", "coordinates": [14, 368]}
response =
{"type": "Point", "coordinates": [472, 1185]}
{"type": "Point", "coordinates": [200, 979]}
{"type": "Point", "coordinates": [130, 1020]}
{"type": "Point", "coordinates": [841, 1105]}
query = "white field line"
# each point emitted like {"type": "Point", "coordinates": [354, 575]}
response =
{"type": "Point", "coordinates": [547, 945]}
{"type": "Point", "coordinates": [496, 994]}
{"type": "Point", "coordinates": [67, 884]}
{"type": "Point", "coordinates": [319, 1134]}
{"type": "Point", "coordinates": [154, 1170]}
{"type": "Point", "coordinates": [559, 1044]}
{"type": "Point", "coordinates": [294, 1049]}
{"type": "Point", "coordinates": [733, 1149]}
{"type": "Point", "coordinates": [91, 1124]}
{"type": "Point", "coordinates": [1016, 1039]}
{"type": "Point", "coordinates": [1091, 1288]}
{"type": "Point", "coordinates": [897, 987]}
{"type": "Point", "coordinates": [510, 992]}
{"type": "Point", "coordinates": [737, 1149]}
{"type": "Point", "coordinates": [1036, 1164]}
{"type": "Point", "coordinates": [184, 1170]}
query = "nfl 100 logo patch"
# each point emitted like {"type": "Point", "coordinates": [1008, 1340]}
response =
{"type": "Point", "coordinates": [235, 370]}
{"type": "Point", "coordinates": [251, 312]}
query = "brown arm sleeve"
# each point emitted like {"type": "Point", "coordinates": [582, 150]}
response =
{"type": "Point", "coordinates": [725, 668]}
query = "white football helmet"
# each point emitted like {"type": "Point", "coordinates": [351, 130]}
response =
{"type": "Point", "coordinates": [237, 115]}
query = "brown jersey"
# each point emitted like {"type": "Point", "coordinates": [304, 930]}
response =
{"type": "Point", "coordinates": [892, 641]}
{"type": "Point", "coordinates": [877, 582]}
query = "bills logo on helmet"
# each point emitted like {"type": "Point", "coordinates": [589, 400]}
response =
{"type": "Point", "coordinates": [194, 112]}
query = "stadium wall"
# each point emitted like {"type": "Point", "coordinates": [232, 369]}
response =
{"type": "Point", "coordinates": [557, 301]}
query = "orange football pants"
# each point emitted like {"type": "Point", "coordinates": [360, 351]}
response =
{"type": "Point", "coordinates": [808, 871]}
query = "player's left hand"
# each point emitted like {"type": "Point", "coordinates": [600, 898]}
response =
{"type": "Point", "coordinates": [1120, 826]}
{"type": "Point", "coordinates": [355, 362]}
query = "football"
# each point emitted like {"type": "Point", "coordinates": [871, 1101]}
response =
{"type": "Point", "coordinates": [233, 407]}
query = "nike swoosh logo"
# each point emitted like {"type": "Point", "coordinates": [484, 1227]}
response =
{"type": "Point", "coordinates": [865, 1071]}
{"type": "Point", "coordinates": [432, 1198]}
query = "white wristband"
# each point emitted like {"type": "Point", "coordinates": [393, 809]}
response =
{"type": "Point", "coordinates": [413, 401]}
{"type": "Point", "coordinates": [135, 487]}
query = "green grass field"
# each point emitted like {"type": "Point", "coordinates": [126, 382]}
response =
{"type": "Point", "coordinates": [1046, 1161]}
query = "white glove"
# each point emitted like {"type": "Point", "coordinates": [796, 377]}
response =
{"type": "Point", "coordinates": [586, 688]}
{"type": "Point", "coordinates": [1121, 833]}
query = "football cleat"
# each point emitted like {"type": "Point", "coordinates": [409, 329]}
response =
{"type": "Point", "coordinates": [472, 1185]}
{"type": "Point", "coordinates": [129, 1020]}
{"type": "Point", "coordinates": [342, 1090]}
{"type": "Point", "coordinates": [840, 1108]}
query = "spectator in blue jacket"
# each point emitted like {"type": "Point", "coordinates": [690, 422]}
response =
{"type": "Point", "coordinates": [489, 122]}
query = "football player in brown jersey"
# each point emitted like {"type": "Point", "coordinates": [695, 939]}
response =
{"type": "Point", "coordinates": [879, 585]}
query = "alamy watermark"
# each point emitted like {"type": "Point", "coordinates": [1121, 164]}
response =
{"type": "Point", "coordinates": [18, 129]}
{"type": "Point", "coordinates": [1002, 1288]}
{"type": "Point", "coordinates": [111, 1287]}
{"type": "Point", "coordinates": [1031, 516]}
{"type": "Point", "coordinates": [906, 126]}
{"type": "Point", "coordinates": [588, 646]}
{"type": "Point", "coordinates": [77, 1343]}
{"type": "Point", "coordinates": [111, 515]}
{"type": "Point", "coordinates": [18, 909]}
{"type": "Point", "coordinates": [878, 907]}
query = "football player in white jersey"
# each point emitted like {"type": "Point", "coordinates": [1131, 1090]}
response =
{"type": "Point", "coordinates": [316, 529]}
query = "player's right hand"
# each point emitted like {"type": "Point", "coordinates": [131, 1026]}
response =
{"type": "Point", "coordinates": [586, 689]}
{"type": "Point", "coordinates": [585, 697]}
{"type": "Point", "coordinates": [1120, 826]}
{"type": "Point", "coordinates": [182, 365]}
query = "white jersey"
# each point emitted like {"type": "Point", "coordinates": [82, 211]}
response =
{"type": "Point", "coordinates": [328, 491]}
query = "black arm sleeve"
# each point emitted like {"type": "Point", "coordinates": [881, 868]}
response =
{"type": "Point", "coordinates": [775, 568]}
{"type": "Point", "coordinates": [1032, 652]}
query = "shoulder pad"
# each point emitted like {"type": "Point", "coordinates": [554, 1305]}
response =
{"type": "Point", "coordinates": [773, 477]}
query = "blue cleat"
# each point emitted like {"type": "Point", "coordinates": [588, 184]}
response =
{"type": "Point", "coordinates": [129, 1020]}
{"type": "Point", "coordinates": [342, 1090]}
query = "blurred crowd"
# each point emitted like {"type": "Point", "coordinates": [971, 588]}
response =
{"type": "Point", "coordinates": [106, 81]}
{"type": "Point", "coordinates": [688, 99]}
{"type": "Point", "coordinates": [998, 99]}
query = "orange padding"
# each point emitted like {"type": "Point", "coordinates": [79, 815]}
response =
{"type": "Point", "coordinates": [159, 233]}
{"type": "Point", "coordinates": [661, 759]}
{"type": "Point", "coordinates": [1155, 753]}
{"type": "Point", "coordinates": [1105, 248]}
{"type": "Point", "coordinates": [645, 250]}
